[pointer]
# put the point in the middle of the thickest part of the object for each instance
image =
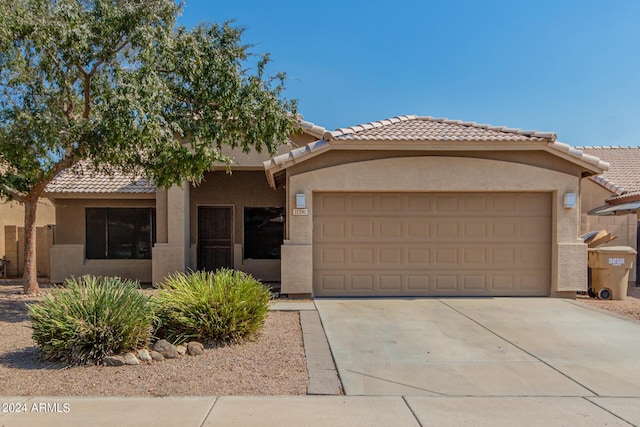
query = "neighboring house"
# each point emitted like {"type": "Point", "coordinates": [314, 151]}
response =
{"type": "Point", "coordinates": [615, 197]}
{"type": "Point", "coordinates": [409, 206]}
{"type": "Point", "coordinates": [12, 236]}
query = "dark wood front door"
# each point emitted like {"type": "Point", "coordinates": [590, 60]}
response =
{"type": "Point", "coordinates": [215, 237]}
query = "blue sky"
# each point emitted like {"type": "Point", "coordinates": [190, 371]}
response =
{"type": "Point", "coordinates": [567, 66]}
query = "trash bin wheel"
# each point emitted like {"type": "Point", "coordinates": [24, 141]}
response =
{"type": "Point", "coordinates": [604, 293]}
{"type": "Point", "coordinates": [591, 293]}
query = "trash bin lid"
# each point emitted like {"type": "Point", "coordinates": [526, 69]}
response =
{"type": "Point", "coordinates": [619, 249]}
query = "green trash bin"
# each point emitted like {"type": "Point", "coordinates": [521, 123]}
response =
{"type": "Point", "coordinates": [610, 271]}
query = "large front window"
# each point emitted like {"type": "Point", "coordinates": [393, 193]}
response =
{"type": "Point", "coordinates": [263, 232]}
{"type": "Point", "coordinates": [120, 233]}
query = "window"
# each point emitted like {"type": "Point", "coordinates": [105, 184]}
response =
{"type": "Point", "coordinates": [120, 233]}
{"type": "Point", "coordinates": [263, 232]}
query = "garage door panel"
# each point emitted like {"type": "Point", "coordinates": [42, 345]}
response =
{"type": "Point", "coordinates": [362, 203]}
{"type": "Point", "coordinates": [474, 283]}
{"type": "Point", "coordinates": [335, 256]}
{"type": "Point", "coordinates": [432, 244]}
{"type": "Point", "coordinates": [446, 256]}
{"type": "Point", "coordinates": [417, 282]}
{"type": "Point", "coordinates": [433, 283]}
{"type": "Point", "coordinates": [333, 283]}
{"type": "Point", "coordinates": [362, 283]}
{"type": "Point", "coordinates": [333, 229]}
{"type": "Point", "coordinates": [332, 203]}
{"type": "Point", "coordinates": [390, 203]}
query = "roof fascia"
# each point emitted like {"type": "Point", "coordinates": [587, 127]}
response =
{"type": "Point", "coordinates": [106, 196]}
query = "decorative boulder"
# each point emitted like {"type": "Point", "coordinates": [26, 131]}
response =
{"type": "Point", "coordinates": [113, 361]}
{"type": "Point", "coordinates": [194, 348]}
{"type": "Point", "coordinates": [131, 359]}
{"type": "Point", "coordinates": [143, 354]}
{"type": "Point", "coordinates": [166, 349]}
{"type": "Point", "coordinates": [156, 356]}
{"type": "Point", "coordinates": [182, 350]}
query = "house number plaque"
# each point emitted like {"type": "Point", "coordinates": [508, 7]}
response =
{"type": "Point", "coordinates": [298, 212]}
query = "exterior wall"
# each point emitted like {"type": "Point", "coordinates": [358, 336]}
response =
{"type": "Point", "coordinates": [68, 252]}
{"type": "Point", "coordinates": [433, 174]}
{"type": "Point", "coordinates": [11, 247]}
{"type": "Point", "coordinates": [240, 189]}
{"type": "Point", "coordinates": [367, 152]}
{"type": "Point", "coordinates": [170, 253]}
{"type": "Point", "coordinates": [592, 195]}
{"type": "Point", "coordinates": [14, 249]}
{"type": "Point", "coordinates": [253, 160]}
{"type": "Point", "coordinates": [625, 227]}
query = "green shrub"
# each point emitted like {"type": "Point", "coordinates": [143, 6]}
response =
{"type": "Point", "coordinates": [89, 318]}
{"type": "Point", "coordinates": [223, 306]}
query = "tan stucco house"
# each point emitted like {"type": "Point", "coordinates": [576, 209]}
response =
{"type": "Point", "coordinates": [409, 206]}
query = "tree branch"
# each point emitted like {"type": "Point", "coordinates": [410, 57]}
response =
{"type": "Point", "coordinates": [66, 162]}
{"type": "Point", "coordinates": [110, 53]}
{"type": "Point", "coordinates": [15, 193]}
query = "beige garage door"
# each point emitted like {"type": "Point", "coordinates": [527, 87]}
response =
{"type": "Point", "coordinates": [421, 244]}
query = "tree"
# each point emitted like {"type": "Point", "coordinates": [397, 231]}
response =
{"type": "Point", "coordinates": [119, 84]}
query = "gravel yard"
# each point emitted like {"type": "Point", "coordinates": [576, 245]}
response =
{"type": "Point", "coordinates": [273, 364]}
{"type": "Point", "coordinates": [628, 308]}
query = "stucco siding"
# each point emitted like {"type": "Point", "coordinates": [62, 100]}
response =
{"type": "Point", "coordinates": [592, 195]}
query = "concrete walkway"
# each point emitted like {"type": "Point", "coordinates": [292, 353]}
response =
{"type": "Point", "coordinates": [352, 411]}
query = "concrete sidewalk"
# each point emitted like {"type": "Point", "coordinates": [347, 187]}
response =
{"type": "Point", "coordinates": [395, 411]}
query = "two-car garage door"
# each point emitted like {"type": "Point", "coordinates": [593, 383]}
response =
{"type": "Point", "coordinates": [421, 244]}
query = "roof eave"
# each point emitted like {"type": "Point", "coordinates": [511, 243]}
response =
{"type": "Point", "coordinates": [298, 155]}
{"type": "Point", "coordinates": [53, 195]}
{"type": "Point", "coordinates": [592, 164]}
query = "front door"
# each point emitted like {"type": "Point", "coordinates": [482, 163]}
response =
{"type": "Point", "coordinates": [215, 237]}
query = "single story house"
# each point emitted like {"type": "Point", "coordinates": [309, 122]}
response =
{"type": "Point", "coordinates": [408, 206]}
{"type": "Point", "coordinates": [611, 200]}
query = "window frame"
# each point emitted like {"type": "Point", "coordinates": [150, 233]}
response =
{"type": "Point", "coordinates": [245, 234]}
{"type": "Point", "coordinates": [91, 252]}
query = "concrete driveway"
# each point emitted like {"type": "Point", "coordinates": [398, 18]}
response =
{"type": "Point", "coordinates": [481, 347]}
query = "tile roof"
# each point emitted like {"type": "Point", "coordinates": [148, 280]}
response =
{"type": "Point", "coordinates": [79, 180]}
{"type": "Point", "coordinates": [414, 128]}
{"type": "Point", "coordinates": [312, 129]}
{"type": "Point", "coordinates": [426, 128]}
{"type": "Point", "coordinates": [623, 176]}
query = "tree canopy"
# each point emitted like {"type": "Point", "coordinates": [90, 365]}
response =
{"type": "Point", "coordinates": [120, 84]}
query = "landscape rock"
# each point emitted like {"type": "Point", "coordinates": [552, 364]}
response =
{"type": "Point", "coordinates": [131, 359]}
{"type": "Point", "coordinates": [166, 349]}
{"type": "Point", "coordinates": [194, 348]}
{"type": "Point", "coordinates": [113, 361]}
{"type": "Point", "coordinates": [182, 350]}
{"type": "Point", "coordinates": [143, 354]}
{"type": "Point", "coordinates": [156, 356]}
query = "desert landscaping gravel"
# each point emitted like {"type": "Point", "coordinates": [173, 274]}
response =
{"type": "Point", "coordinates": [273, 364]}
{"type": "Point", "coordinates": [629, 307]}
